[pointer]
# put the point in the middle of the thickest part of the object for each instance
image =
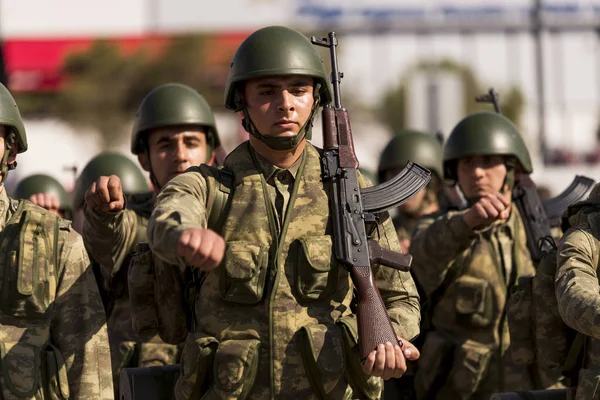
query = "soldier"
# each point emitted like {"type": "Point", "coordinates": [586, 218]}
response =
{"type": "Point", "coordinates": [424, 149]}
{"type": "Point", "coordinates": [577, 288]}
{"type": "Point", "coordinates": [274, 320]}
{"type": "Point", "coordinates": [107, 163]}
{"type": "Point", "coordinates": [466, 263]}
{"type": "Point", "coordinates": [52, 324]}
{"type": "Point", "coordinates": [46, 192]}
{"type": "Point", "coordinates": [174, 129]}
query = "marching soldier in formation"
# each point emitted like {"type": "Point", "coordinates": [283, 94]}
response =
{"type": "Point", "coordinates": [52, 322]}
{"type": "Point", "coordinates": [274, 320]}
{"type": "Point", "coordinates": [174, 129]}
{"type": "Point", "coordinates": [467, 261]}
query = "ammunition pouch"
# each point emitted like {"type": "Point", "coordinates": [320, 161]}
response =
{"type": "Point", "coordinates": [519, 311]}
{"type": "Point", "coordinates": [29, 371]}
{"type": "Point", "coordinates": [157, 297]}
{"type": "Point", "coordinates": [323, 358]}
{"type": "Point", "coordinates": [473, 302]}
{"type": "Point", "coordinates": [315, 268]}
{"type": "Point", "coordinates": [213, 370]}
{"type": "Point", "coordinates": [244, 272]}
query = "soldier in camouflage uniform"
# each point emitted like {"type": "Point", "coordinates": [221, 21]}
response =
{"type": "Point", "coordinates": [577, 288]}
{"type": "Point", "coordinates": [174, 129]}
{"type": "Point", "coordinates": [467, 261]}
{"type": "Point", "coordinates": [52, 324]}
{"type": "Point", "coordinates": [426, 150]}
{"type": "Point", "coordinates": [274, 319]}
{"type": "Point", "coordinates": [46, 192]}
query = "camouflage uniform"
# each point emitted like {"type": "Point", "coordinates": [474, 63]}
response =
{"type": "Point", "coordinates": [53, 341]}
{"type": "Point", "coordinates": [111, 238]}
{"type": "Point", "coordinates": [466, 276]}
{"type": "Point", "coordinates": [280, 303]}
{"type": "Point", "coordinates": [475, 270]}
{"type": "Point", "coordinates": [577, 288]}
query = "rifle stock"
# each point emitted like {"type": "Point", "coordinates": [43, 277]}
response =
{"type": "Point", "coordinates": [352, 246]}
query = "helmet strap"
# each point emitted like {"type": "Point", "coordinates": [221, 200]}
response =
{"type": "Point", "coordinates": [4, 166]}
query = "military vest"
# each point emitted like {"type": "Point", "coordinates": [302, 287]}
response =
{"type": "Point", "coordinates": [467, 317]}
{"type": "Point", "coordinates": [29, 273]}
{"type": "Point", "coordinates": [279, 305]}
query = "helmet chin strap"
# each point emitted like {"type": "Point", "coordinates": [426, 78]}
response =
{"type": "Point", "coordinates": [281, 143]}
{"type": "Point", "coordinates": [4, 166]}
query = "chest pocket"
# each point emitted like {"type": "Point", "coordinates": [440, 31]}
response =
{"type": "Point", "coordinates": [244, 272]}
{"type": "Point", "coordinates": [28, 263]}
{"type": "Point", "coordinates": [315, 269]}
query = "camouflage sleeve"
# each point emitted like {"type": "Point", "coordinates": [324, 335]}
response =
{"type": "Point", "coordinates": [435, 244]}
{"type": "Point", "coordinates": [109, 238]}
{"type": "Point", "coordinates": [180, 205]}
{"type": "Point", "coordinates": [398, 289]}
{"type": "Point", "coordinates": [576, 283]}
{"type": "Point", "coordinates": [78, 327]}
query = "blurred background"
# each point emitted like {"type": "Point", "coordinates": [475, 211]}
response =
{"type": "Point", "coordinates": [79, 69]}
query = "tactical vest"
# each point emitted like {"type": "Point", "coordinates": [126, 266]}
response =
{"type": "Point", "coordinates": [465, 319]}
{"type": "Point", "coordinates": [271, 272]}
{"type": "Point", "coordinates": [31, 366]}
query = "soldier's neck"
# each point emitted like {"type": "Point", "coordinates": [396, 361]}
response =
{"type": "Point", "coordinates": [279, 158]}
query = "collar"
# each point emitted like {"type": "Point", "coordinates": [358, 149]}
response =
{"type": "Point", "coordinates": [269, 170]}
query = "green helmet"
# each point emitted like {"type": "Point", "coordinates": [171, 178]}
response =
{"type": "Point", "coordinates": [173, 104]}
{"type": "Point", "coordinates": [105, 164]}
{"type": "Point", "coordinates": [41, 183]}
{"type": "Point", "coordinates": [409, 145]}
{"type": "Point", "coordinates": [484, 133]}
{"type": "Point", "coordinates": [276, 51]}
{"type": "Point", "coordinates": [11, 117]}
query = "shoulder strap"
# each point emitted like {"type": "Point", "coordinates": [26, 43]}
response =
{"type": "Point", "coordinates": [218, 203]}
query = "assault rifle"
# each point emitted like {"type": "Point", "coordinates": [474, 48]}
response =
{"type": "Point", "coordinates": [352, 208]}
{"type": "Point", "coordinates": [537, 214]}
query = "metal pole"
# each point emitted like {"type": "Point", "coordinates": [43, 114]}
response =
{"type": "Point", "coordinates": [539, 69]}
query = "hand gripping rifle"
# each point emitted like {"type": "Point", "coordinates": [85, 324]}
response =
{"type": "Point", "coordinates": [536, 213]}
{"type": "Point", "coordinates": [352, 207]}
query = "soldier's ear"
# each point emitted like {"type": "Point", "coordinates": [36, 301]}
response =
{"type": "Point", "coordinates": [143, 159]}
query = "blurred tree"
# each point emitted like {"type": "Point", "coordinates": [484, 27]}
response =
{"type": "Point", "coordinates": [392, 106]}
{"type": "Point", "coordinates": [104, 87]}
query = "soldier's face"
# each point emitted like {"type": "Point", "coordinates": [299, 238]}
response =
{"type": "Point", "coordinates": [481, 175]}
{"type": "Point", "coordinates": [279, 105]}
{"type": "Point", "coordinates": [14, 149]}
{"type": "Point", "coordinates": [174, 149]}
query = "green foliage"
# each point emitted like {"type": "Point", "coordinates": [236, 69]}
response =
{"type": "Point", "coordinates": [392, 108]}
{"type": "Point", "coordinates": [104, 87]}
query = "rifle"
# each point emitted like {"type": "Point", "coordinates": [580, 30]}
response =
{"type": "Point", "coordinates": [534, 211]}
{"type": "Point", "coordinates": [352, 207]}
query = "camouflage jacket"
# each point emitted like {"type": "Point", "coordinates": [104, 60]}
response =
{"type": "Point", "coordinates": [577, 288]}
{"type": "Point", "coordinates": [110, 240]}
{"type": "Point", "coordinates": [404, 224]}
{"type": "Point", "coordinates": [280, 303]}
{"type": "Point", "coordinates": [52, 324]}
{"type": "Point", "coordinates": [466, 277]}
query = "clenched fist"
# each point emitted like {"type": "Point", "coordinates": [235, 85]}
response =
{"type": "Point", "coordinates": [201, 248]}
{"type": "Point", "coordinates": [389, 361]}
{"type": "Point", "coordinates": [48, 201]}
{"type": "Point", "coordinates": [490, 208]}
{"type": "Point", "coordinates": [105, 195]}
